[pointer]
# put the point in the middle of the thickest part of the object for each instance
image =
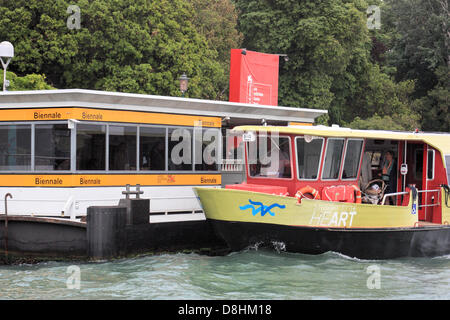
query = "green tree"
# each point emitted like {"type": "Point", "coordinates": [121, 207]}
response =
{"type": "Point", "coordinates": [140, 46]}
{"type": "Point", "coordinates": [331, 63]}
{"type": "Point", "coordinates": [419, 50]}
{"type": "Point", "coordinates": [28, 82]}
{"type": "Point", "coordinates": [217, 21]}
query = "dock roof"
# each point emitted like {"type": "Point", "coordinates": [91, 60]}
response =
{"type": "Point", "coordinates": [239, 113]}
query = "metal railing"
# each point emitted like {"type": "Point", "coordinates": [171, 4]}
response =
{"type": "Point", "coordinates": [436, 203]}
{"type": "Point", "coordinates": [392, 195]}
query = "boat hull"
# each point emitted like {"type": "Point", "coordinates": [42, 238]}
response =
{"type": "Point", "coordinates": [358, 243]}
{"type": "Point", "coordinates": [244, 218]}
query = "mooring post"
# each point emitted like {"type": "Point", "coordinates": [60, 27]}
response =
{"type": "Point", "coordinates": [6, 225]}
{"type": "Point", "coordinates": [138, 210]}
{"type": "Point", "coordinates": [106, 236]}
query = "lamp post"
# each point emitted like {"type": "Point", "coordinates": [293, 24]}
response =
{"type": "Point", "coordinates": [184, 82]}
{"type": "Point", "coordinates": [7, 53]}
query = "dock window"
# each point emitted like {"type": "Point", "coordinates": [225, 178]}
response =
{"type": "Point", "coordinates": [206, 149]}
{"type": "Point", "coordinates": [91, 147]}
{"type": "Point", "coordinates": [333, 158]}
{"type": "Point", "coordinates": [352, 159]}
{"type": "Point", "coordinates": [15, 147]}
{"type": "Point", "coordinates": [308, 157]}
{"type": "Point", "coordinates": [52, 147]}
{"type": "Point", "coordinates": [152, 148]}
{"type": "Point", "coordinates": [122, 148]}
{"type": "Point", "coordinates": [180, 149]}
{"type": "Point", "coordinates": [273, 158]}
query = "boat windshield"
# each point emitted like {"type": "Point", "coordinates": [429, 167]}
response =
{"type": "Point", "coordinates": [270, 157]}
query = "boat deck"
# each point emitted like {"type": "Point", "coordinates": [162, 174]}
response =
{"type": "Point", "coordinates": [428, 224]}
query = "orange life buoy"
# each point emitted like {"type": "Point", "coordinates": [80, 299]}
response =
{"type": "Point", "coordinates": [302, 192]}
{"type": "Point", "coordinates": [357, 194]}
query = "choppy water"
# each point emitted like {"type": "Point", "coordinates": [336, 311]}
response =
{"type": "Point", "coordinates": [251, 274]}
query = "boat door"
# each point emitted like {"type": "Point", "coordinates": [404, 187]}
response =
{"type": "Point", "coordinates": [415, 160]}
{"type": "Point", "coordinates": [421, 160]}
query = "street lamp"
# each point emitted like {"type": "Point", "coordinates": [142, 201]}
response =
{"type": "Point", "coordinates": [7, 53]}
{"type": "Point", "coordinates": [184, 82]}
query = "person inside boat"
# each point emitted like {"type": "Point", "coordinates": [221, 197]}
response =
{"type": "Point", "coordinates": [389, 175]}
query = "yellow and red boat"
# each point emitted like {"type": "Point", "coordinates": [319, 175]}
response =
{"type": "Point", "coordinates": [317, 189]}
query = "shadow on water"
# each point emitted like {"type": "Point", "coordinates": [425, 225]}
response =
{"type": "Point", "coordinates": [254, 273]}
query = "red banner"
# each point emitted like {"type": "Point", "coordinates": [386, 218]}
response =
{"type": "Point", "coordinates": [253, 77]}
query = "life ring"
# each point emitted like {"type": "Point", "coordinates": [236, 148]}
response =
{"type": "Point", "coordinates": [302, 192]}
{"type": "Point", "coordinates": [357, 194]}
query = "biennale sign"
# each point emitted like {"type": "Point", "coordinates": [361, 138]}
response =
{"type": "Point", "coordinates": [253, 77]}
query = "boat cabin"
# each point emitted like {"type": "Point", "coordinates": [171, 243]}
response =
{"type": "Point", "coordinates": [341, 164]}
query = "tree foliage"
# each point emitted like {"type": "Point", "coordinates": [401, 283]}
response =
{"type": "Point", "coordinates": [331, 63]}
{"type": "Point", "coordinates": [25, 83]}
{"type": "Point", "coordinates": [397, 76]}
{"type": "Point", "coordinates": [419, 43]}
{"type": "Point", "coordinates": [140, 46]}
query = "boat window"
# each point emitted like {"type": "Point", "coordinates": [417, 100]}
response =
{"type": "Point", "coordinates": [206, 149]}
{"type": "Point", "coordinates": [122, 147]}
{"type": "Point", "coordinates": [273, 158]}
{"type": "Point", "coordinates": [52, 147]}
{"type": "Point", "coordinates": [418, 160]}
{"type": "Point", "coordinates": [232, 146]}
{"type": "Point", "coordinates": [15, 147]}
{"type": "Point", "coordinates": [430, 165]}
{"type": "Point", "coordinates": [352, 159]}
{"type": "Point", "coordinates": [152, 148]}
{"type": "Point", "coordinates": [308, 157]}
{"type": "Point", "coordinates": [180, 149]}
{"type": "Point", "coordinates": [447, 165]}
{"type": "Point", "coordinates": [333, 158]}
{"type": "Point", "coordinates": [91, 147]}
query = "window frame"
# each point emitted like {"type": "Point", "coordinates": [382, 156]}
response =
{"type": "Point", "coordinates": [345, 157]}
{"type": "Point", "coordinates": [320, 158]}
{"type": "Point", "coordinates": [73, 148]}
{"type": "Point", "coordinates": [32, 125]}
{"type": "Point", "coordinates": [290, 159]}
{"type": "Point", "coordinates": [433, 164]}
{"type": "Point", "coordinates": [325, 158]}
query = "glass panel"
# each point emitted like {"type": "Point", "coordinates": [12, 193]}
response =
{"type": "Point", "coordinates": [152, 148]}
{"type": "Point", "coordinates": [206, 149]}
{"type": "Point", "coordinates": [91, 147]}
{"type": "Point", "coordinates": [333, 158]}
{"type": "Point", "coordinates": [430, 167]}
{"type": "Point", "coordinates": [180, 149]}
{"type": "Point", "coordinates": [308, 158]}
{"type": "Point", "coordinates": [52, 147]}
{"type": "Point", "coordinates": [352, 159]}
{"type": "Point", "coordinates": [418, 170]}
{"type": "Point", "coordinates": [122, 148]}
{"type": "Point", "coordinates": [447, 165]}
{"type": "Point", "coordinates": [274, 158]}
{"type": "Point", "coordinates": [15, 147]}
{"type": "Point", "coordinates": [232, 146]}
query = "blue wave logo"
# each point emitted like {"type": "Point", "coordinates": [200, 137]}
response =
{"type": "Point", "coordinates": [262, 208]}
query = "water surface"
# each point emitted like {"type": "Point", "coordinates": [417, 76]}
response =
{"type": "Point", "coordinates": [250, 274]}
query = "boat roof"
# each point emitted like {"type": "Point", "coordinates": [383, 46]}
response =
{"type": "Point", "coordinates": [239, 113]}
{"type": "Point", "coordinates": [439, 141]}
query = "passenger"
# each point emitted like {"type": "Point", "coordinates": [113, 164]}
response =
{"type": "Point", "coordinates": [389, 175]}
